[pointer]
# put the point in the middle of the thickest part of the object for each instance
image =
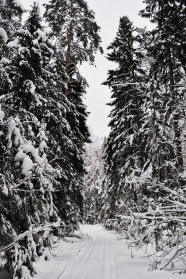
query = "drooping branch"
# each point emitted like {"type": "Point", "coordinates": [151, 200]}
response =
{"type": "Point", "coordinates": [47, 227]}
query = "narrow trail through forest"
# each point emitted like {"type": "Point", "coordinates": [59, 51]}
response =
{"type": "Point", "coordinates": [101, 254]}
{"type": "Point", "coordinates": [96, 259]}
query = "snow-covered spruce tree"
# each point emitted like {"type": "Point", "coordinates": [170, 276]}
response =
{"type": "Point", "coordinates": [163, 129]}
{"type": "Point", "coordinates": [124, 155]}
{"type": "Point", "coordinates": [50, 82]}
{"type": "Point", "coordinates": [66, 148]}
{"type": "Point", "coordinates": [76, 118]}
{"type": "Point", "coordinates": [77, 35]}
{"type": "Point", "coordinates": [164, 125]}
{"type": "Point", "coordinates": [168, 69]}
{"type": "Point", "coordinates": [28, 180]}
{"type": "Point", "coordinates": [64, 121]}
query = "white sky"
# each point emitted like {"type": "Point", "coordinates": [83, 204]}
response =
{"type": "Point", "coordinates": [107, 14]}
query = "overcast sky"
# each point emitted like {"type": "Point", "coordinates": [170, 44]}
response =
{"type": "Point", "coordinates": [107, 14]}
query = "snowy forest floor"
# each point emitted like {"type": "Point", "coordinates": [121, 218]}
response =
{"type": "Point", "coordinates": [99, 254]}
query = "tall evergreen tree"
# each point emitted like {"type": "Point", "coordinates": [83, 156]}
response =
{"type": "Point", "coordinates": [33, 114]}
{"type": "Point", "coordinates": [76, 31]}
{"type": "Point", "coordinates": [162, 135]}
{"type": "Point", "coordinates": [168, 52]}
{"type": "Point", "coordinates": [77, 35]}
{"type": "Point", "coordinates": [124, 154]}
{"type": "Point", "coordinates": [166, 87]}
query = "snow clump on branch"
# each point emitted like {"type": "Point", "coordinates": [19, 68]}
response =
{"type": "Point", "coordinates": [3, 35]}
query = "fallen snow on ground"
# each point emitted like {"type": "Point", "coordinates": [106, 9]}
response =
{"type": "Point", "coordinates": [100, 254]}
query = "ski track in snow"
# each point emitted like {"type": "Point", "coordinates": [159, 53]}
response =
{"type": "Point", "coordinates": [101, 256]}
{"type": "Point", "coordinates": [95, 260]}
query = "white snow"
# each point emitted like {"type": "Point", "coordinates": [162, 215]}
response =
{"type": "Point", "coordinates": [147, 173]}
{"type": "Point", "coordinates": [29, 148]}
{"type": "Point", "coordinates": [101, 254]}
{"type": "Point", "coordinates": [18, 4]}
{"type": "Point", "coordinates": [13, 131]}
{"type": "Point", "coordinates": [20, 156]}
{"type": "Point", "coordinates": [3, 35]}
{"type": "Point", "coordinates": [26, 151]}
{"type": "Point", "coordinates": [42, 145]}
{"type": "Point", "coordinates": [29, 86]}
{"type": "Point", "coordinates": [5, 61]}
{"type": "Point", "coordinates": [18, 138]}
{"type": "Point", "coordinates": [23, 156]}
{"type": "Point", "coordinates": [35, 42]}
{"type": "Point", "coordinates": [131, 138]}
{"type": "Point", "coordinates": [41, 35]}
{"type": "Point", "coordinates": [25, 272]}
{"type": "Point", "coordinates": [27, 166]}
{"type": "Point", "coordinates": [30, 131]}
{"type": "Point", "coordinates": [2, 114]}
{"type": "Point", "coordinates": [41, 135]}
{"type": "Point", "coordinates": [14, 43]}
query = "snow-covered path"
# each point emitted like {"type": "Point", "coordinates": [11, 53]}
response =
{"type": "Point", "coordinates": [100, 256]}
{"type": "Point", "coordinates": [96, 259]}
